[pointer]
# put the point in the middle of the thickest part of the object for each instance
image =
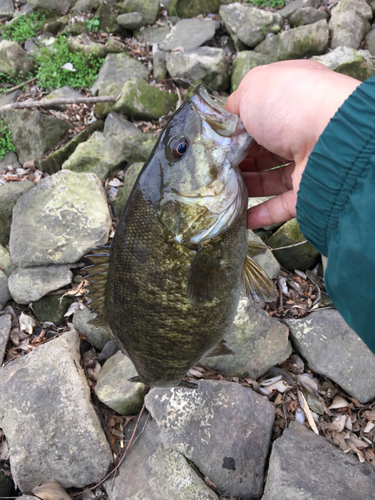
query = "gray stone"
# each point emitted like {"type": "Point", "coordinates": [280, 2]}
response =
{"type": "Point", "coordinates": [153, 34]}
{"type": "Point", "coordinates": [52, 309]}
{"type": "Point", "coordinates": [153, 472]}
{"type": "Point", "coordinates": [370, 40]}
{"type": "Point", "coordinates": [48, 388]}
{"type": "Point", "coordinates": [334, 350]}
{"type": "Point", "coordinates": [109, 350]}
{"type": "Point", "coordinates": [182, 8]}
{"type": "Point", "coordinates": [355, 63]}
{"type": "Point", "coordinates": [59, 220]}
{"type": "Point", "coordinates": [10, 159]}
{"type": "Point", "coordinates": [6, 263]}
{"type": "Point", "coordinates": [307, 15]}
{"type": "Point", "coordinates": [5, 326]}
{"type": "Point", "coordinates": [86, 5]}
{"type": "Point", "coordinates": [258, 341]}
{"type": "Point", "coordinates": [150, 9]}
{"type": "Point", "coordinates": [83, 44]}
{"type": "Point", "coordinates": [266, 260]}
{"type": "Point", "coordinates": [248, 25]}
{"type": "Point", "coordinates": [33, 133]}
{"type": "Point", "coordinates": [116, 124]}
{"type": "Point", "coordinates": [195, 423]}
{"type": "Point", "coordinates": [95, 335]}
{"type": "Point", "coordinates": [58, 5]}
{"type": "Point", "coordinates": [32, 283]}
{"type": "Point", "coordinates": [9, 194]}
{"type": "Point", "coordinates": [63, 93]}
{"type": "Point", "coordinates": [189, 34]}
{"type": "Point", "coordinates": [304, 465]}
{"type": "Point", "coordinates": [107, 19]}
{"type": "Point", "coordinates": [207, 64]}
{"type": "Point", "coordinates": [243, 63]}
{"type": "Point", "coordinates": [296, 43]}
{"type": "Point", "coordinates": [295, 5]}
{"type": "Point", "coordinates": [159, 66]}
{"type": "Point", "coordinates": [13, 59]}
{"type": "Point", "coordinates": [123, 192]}
{"type": "Point", "coordinates": [295, 257]}
{"type": "Point", "coordinates": [114, 389]}
{"type": "Point", "coordinates": [8, 98]}
{"type": "Point", "coordinates": [6, 8]}
{"type": "Point", "coordinates": [131, 21]}
{"type": "Point", "coordinates": [349, 23]}
{"type": "Point", "coordinates": [54, 24]}
{"type": "Point", "coordinates": [4, 290]}
{"type": "Point", "coordinates": [116, 70]}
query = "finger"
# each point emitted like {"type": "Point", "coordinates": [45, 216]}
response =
{"type": "Point", "coordinates": [232, 105]}
{"type": "Point", "coordinates": [273, 211]}
{"type": "Point", "coordinates": [270, 183]}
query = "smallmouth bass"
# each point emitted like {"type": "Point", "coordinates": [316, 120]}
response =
{"type": "Point", "coordinates": [169, 285]}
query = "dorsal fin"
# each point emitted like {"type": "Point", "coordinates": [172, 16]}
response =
{"type": "Point", "coordinates": [97, 281]}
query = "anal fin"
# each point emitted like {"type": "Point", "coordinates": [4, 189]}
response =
{"type": "Point", "coordinates": [256, 283]}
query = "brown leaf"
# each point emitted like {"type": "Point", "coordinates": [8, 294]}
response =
{"type": "Point", "coordinates": [50, 490]}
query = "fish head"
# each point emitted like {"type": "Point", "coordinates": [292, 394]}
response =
{"type": "Point", "coordinates": [200, 191]}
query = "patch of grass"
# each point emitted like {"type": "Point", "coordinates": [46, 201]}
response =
{"type": "Point", "coordinates": [266, 3]}
{"type": "Point", "coordinates": [50, 74]}
{"type": "Point", "coordinates": [93, 24]}
{"type": "Point", "coordinates": [13, 81]}
{"type": "Point", "coordinates": [6, 143]}
{"type": "Point", "coordinates": [22, 27]}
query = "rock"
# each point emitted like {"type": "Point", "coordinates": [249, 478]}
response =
{"type": "Point", "coordinates": [96, 336]}
{"type": "Point", "coordinates": [109, 350]}
{"type": "Point", "coordinates": [114, 389]}
{"type": "Point", "coordinates": [131, 21]}
{"type": "Point", "coordinates": [59, 220]}
{"type": "Point", "coordinates": [123, 192]}
{"type": "Point", "coordinates": [54, 25]}
{"type": "Point", "coordinates": [370, 40]}
{"type": "Point", "coordinates": [296, 43]}
{"type": "Point", "coordinates": [243, 63]}
{"type": "Point", "coordinates": [116, 124]}
{"type": "Point", "coordinates": [159, 66]}
{"type": "Point", "coordinates": [299, 257]}
{"type": "Point", "coordinates": [143, 101]}
{"type": "Point", "coordinates": [258, 341]}
{"type": "Point", "coordinates": [10, 159]}
{"type": "Point", "coordinates": [208, 64]}
{"type": "Point", "coordinates": [248, 25]}
{"type": "Point", "coordinates": [31, 284]}
{"type": "Point", "coordinates": [349, 23]}
{"type": "Point", "coordinates": [53, 162]}
{"type": "Point", "coordinates": [76, 28]}
{"type": "Point", "coordinates": [63, 93]}
{"type": "Point", "coordinates": [149, 9]}
{"type": "Point", "coordinates": [51, 308]}
{"type": "Point", "coordinates": [181, 8]}
{"type": "Point", "coordinates": [86, 5]}
{"type": "Point", "coordinates": [307, 15]}
{"type": "Point", "coordinates": [14, 60]}
{"type": "Point", "coordinates": [355, 63]}
{"type": "Point", "coordinates": [294, 468]}
{"type": "Point", "coordinates": [6, 263]}
{"type": "Point", "coordinates": [9, 194]}
{"type": "Point", "coordinates": [33, 133]}
{"type": "Point", "coordinates": [334, 350]}
{"type": "Point", "coordinates": [83, 43]}
{"type": "Point", "coordinates": [295, 5]}
{"type": "Point", "coordinates": [58, 5]}
{"type": "Point", "coordinates": [189, 34]}
{"type": "Point", "coordinates": [8, 98]}
{"type": "Point", "coordinates": [195, 423]}
{"type": "Point", "coordinates": [6, 485]}
{"type": "Point", "coordinates": [6, 8]}
{"type": "Point", "coordinates": [266, 260]}
{"type": "Point", "coordinates": [153, 472]}
{"type": "Point", "coordinates": [4, 290]}
{"type": "Point", "coordinates": [117, 69]}
{"type": "Point", "coordinates": [48, 388]}
{"type": "Point", "coordinates": [5, 326]}
{"type": "Point", "coordinates": [153, 35]}
{"type": "Point", "coordinates": [107, 19]}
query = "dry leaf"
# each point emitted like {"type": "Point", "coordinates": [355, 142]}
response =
{"type": "Point", "coordinates": [369, 427]}
{"type": "Point", "coordinates": [307, 411]}
{"type": "Point", "coordinates": [359, 443]}
{"type": "Point", "coordinates": [195, 373]}
{"type": "Point", "coordinates": [369, 414]}
{"type": "Point", "coordinates": [308, 382]}
{"type": "Point", "coordinates": [337, 424]}
{"type": "Point", "coordinates": [50, 490]}
{"type": "Point", "coordinates": [27, 323]}
{"type": "Point", "coordinates": [75, 306]}
{"type": "Point", "coordinates": [338, 402]}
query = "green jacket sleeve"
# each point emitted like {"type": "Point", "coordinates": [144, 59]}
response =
{"type": "Point", "coordinates": [336, 208]}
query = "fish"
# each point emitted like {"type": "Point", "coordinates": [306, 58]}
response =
{"type": "Point", "coordinates": [168, 286]}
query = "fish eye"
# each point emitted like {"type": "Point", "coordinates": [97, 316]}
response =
{"type": "Point", "coordinates": [179, 147]}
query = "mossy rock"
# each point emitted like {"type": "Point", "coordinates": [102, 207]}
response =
{"type": "Point", "coordinates": [192, 8]}
{"type": "Point", "coordinates": [299, 257]}
{"type": "Point", "coordinates": [54, 25]}
{"type": "Point", "coordinates": [244, 62]}
{"type": "Point", "coordinates": [107, 19]}
{"type": "Point", "coordinates": [355, 63]}
{"type": "Point", "coordinates": [52, 308]}
{"type": "Point", "coordinates": [6, 263]}
{"type": "Point", "coordinates": [123, 192]}
{"type": "Point", "coordinates": [149, 9]}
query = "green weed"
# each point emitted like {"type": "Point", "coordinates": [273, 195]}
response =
{"type": "Point", "coordinates": [50, 74]}
{"type": "Point", "coordinates": [22, 27]}
{"type": "Point", "coordinates": [93, 24]}
{"type": "Point", "coordinates": [267, 3]}
{"type": "Point", "coordinates": [6, 143]}
{"type": "Point", "coordinates": [13, 81]}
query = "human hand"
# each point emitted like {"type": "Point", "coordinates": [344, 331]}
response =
{"type": "Point", "coordinates": [285, 106]}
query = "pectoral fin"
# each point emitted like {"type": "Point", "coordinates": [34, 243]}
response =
{"type": "Point", "coordinates": [256, 283]}
{"type": "Point", "coordinates": [204, 279]}
{"type": "Point", "coordinates": [220, 350]}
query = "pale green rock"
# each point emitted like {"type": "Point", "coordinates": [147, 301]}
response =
{"type": "Point", "coordinates": [266, 260]}
{"type": "Point", "coordinates": [83, 43]}
{"type": "Point", "coordinates": [349, 23]}
{"type": "Point", "coordinates": [152, 34]}
{"type": "Point", "coordinates": [55, 25]}
{"type": "Point", "coordinates": [117, 124]}
{"type": "Point", "coordinates": [97, 336]}
{"type": "Point", "coordinates": [131, 21]}
{"type": "Point", "coordinates": [192, 8]}
{"type": "Point", "coordinates": [307, 15]}
{"type": "Point", "coordinates": [6, 263]}
{"type": "Point", "coordinates": [370, 40]}
{"type": "Point", "coordinates": [10, 159]}
{"type": "Point", "coordinates": [85, 5]}
{"type": "Point", "coordinates": [6, 8]}
{"type": "Point", "coordinates": [114, 389]}
{"type": "Point", "coordinates": [8, 98]}
{"type": "Point", "coordinates": [123, 192]}
{"type": "Point", "coordinates": [13, 59]}
{"type": "Point", "coordinates": [107, 19]}
{"type": "Point", "coordinates": [4, 290]}
{"type": "Point", "coordinates": [58, 5]}
{"type": "Point", "coordinates": [298, 257]}
{"type": "Point", "coordinates": [358, 64]}
{"type": "Point", "coordinates": [293, 6]}
{"type": "Point", "coordinates": [63, 93]}
{"type": "Point", "coordinates": [243, 63]}
{"type": "Point", "coordinates": [9, 194]}
{"type": "Point", "coordinates": [5, 327]}
{"type": "Point", "coordinates": [148, 8]}
{"type": "Point", "coordinates": [296, 43]}
{"type": "Point", "coordinates": [189, 34]}
{"type": "Point", "coordinates": [31, 284]}
{"type": "Point", "coordinates": [159, 65]}
{"type": "Point", "coordinates": [59, 220]}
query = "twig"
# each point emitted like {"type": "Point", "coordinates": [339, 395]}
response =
{"type": "Point", "coordinates": [288, 246]}
{"type": "Point", "coordinates": [47, 103]}
{"type": "Point", "coordinates": [20, 85]}
{"type": "Point", "coordinates": [75, 495]}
